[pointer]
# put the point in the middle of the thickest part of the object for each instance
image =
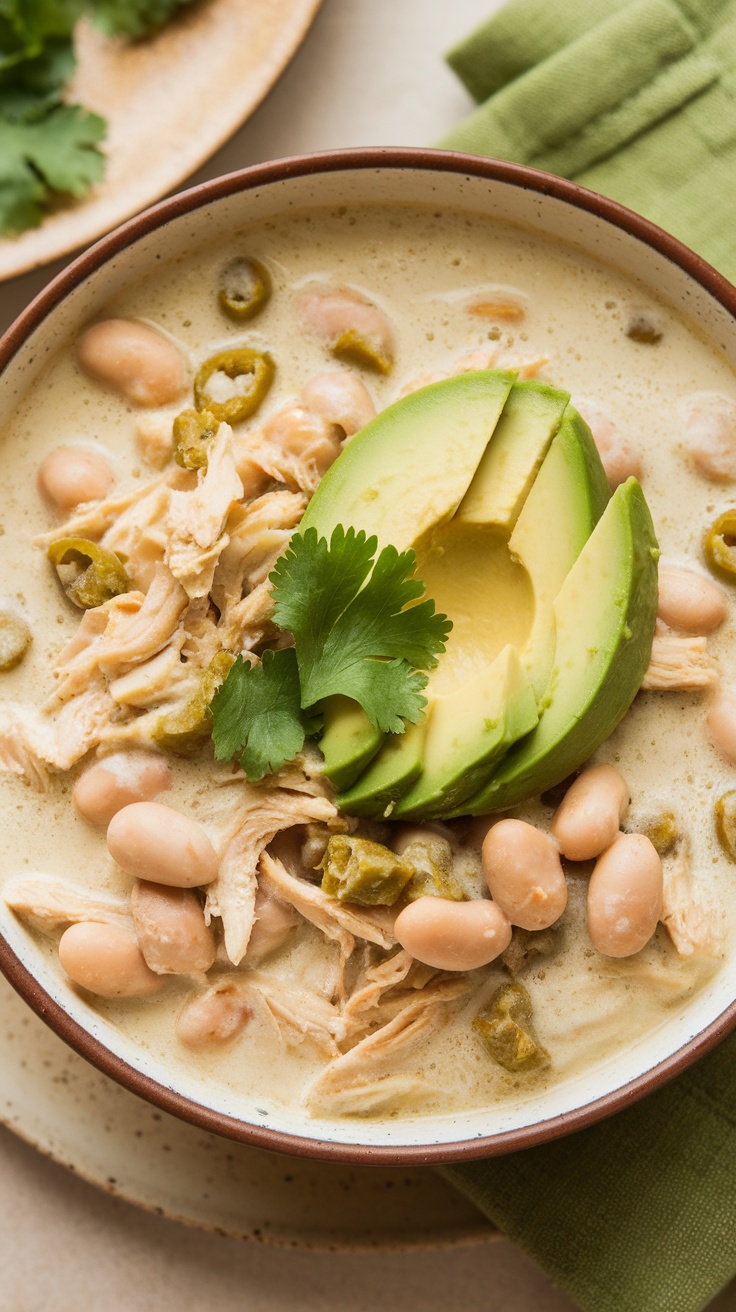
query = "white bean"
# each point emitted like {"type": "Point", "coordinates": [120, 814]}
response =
{"type": "Point", "coordinates": [212, 1017]}
{"type": "Point", "coordinates": [625, 896]}
{"type": "Point", "coordinates": [688, 601]}
{"type": "Point", "coordinates": [709, 434]}
{"type": "Point", "coordinates": [341, 399]}
{"type": "Point", "coordinates": [154, 842]}
{"type": "Point", "coordinates": [297, 432]}
{"type": "Point", "coordinates": [330, 312]}
{"type": "Point", "coordinates": [117, 780]}
{"type": "Point", "coordinates": [619, 457]}
{"type": "Point", "coordinates": [453, 935]}
{"type": "Point", "coordinates": [721, 722]}
{"type": "Point", "coordinates": [106, 960]}
{"type": "Point", "coordinates": [133, 359]}
{"type": "Point", "coordinates": [70, 475]}
{"type": "Point", "coordinates": [524, 874]}
{"type": "Point", "coordinates": [589, 817]}
{"type": "Point", "coordinates": [274, 922]}
{"type": "Point", "coordinates": [170, 928]}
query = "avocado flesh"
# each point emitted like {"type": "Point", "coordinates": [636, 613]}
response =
{"type": "Point", "coordinates": [391, 774]}
{"type": "Point", "coordinates": [468, 734]}
{"type": "Point", "coordinates": [405, 471]}
{"type": "Point", "coordinates": [531, 417]}
{"type": "Point", "coordinates": [547, 542]}
{"type": "Point", "coordinates": [349, 741]}
{"type": "Point", "coordinates": [410, 467]}
{"type": "Point", "coordinates": [498, 592]}
{"type": "Point", "coordinates": [605, 614]}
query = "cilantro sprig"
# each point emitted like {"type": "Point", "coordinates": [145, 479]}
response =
{"type": "Point", "coordinates": [49, 149]}
{"type": "Point", "coordinates": [359, 630]}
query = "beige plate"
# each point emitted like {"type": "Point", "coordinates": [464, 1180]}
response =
{"type": "Point", "coordinates": [55, 1100]}
{"type": "Point", "coordinates": [170, 103]}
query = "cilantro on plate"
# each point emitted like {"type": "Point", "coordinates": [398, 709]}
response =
{"type": "Point", "coordinates": [359, 630]}
{"type": "Point", "coordinates": [49, 149]}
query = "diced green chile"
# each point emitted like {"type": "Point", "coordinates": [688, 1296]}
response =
{"type": "Point", "coordinates": [193, 432]}
{"type": "Point", "coordinates": [505, 1026]}
{"type": "Point", "coordinates": [662, 832]}
{"type": "Point", "coordinates": [245, 288]}
{"type": "Point", "coordinates": [89, 574]}
{"type": "Point", "coordinates": [185, 730]}
{"type": "Point", "coordinates": [256, 367]}
{"type": "Point", "coordinates": [359, 870]}
{"type": "Point", "coordinates": [355, 348]}
{"type": "Point", "coordinates": [719, 545]}
{"type": "Point", "coordinates": [725, 814]}
{"type": "Point", "coordinates": [15, 639]}
{"type": "Point", "coordinates": [431, 862]}
{"type": "Point", "coordinates": [525, 948]}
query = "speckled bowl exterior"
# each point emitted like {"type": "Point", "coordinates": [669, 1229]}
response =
{"type": "Point", "coordinates": [557, 210]}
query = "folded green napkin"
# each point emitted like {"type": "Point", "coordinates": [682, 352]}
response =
{"type": "Point", "coordinates": [634, 98]}
{"type": "Point", "coordinates": [637, 100]}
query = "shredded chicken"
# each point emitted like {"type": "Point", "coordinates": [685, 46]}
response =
{"type": "Point", "coordinates": [336, 920]}
{"type": "Point", "coordinates": [31, 743]}
{"type": "Point", "coordinates": [141, 635]}
{"type": "Point", "coordinates": [689, 922]}
{"type": "Point", "coordinates": [679, 664]}
{"type": "Point", "coordinates": [299, 1013]}
{"type": "Point", "coordinates": [364, 1079]}
{"type": "Point", "coordinates": [163, 678]}
{"type": "Point", "coordinates": [259, 532]}
{"type": "Point", "coordinates": [195, 524]}
{"type": "Point", "coordinates": [49, 902]}
{"type": "Point", "coordinates": [232, 895]}
{"type": "Point", "coordinates": [378, 979]}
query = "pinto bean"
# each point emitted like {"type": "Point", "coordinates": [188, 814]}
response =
{"type": "Point", "coordinates": [588, 819]}
{"type": "Point", "coordinates": [688, 601]}
{"type": "Point", "coordinates": [721, 722]}
{"type": "Point", "coordinates": [453, 935]}
{"type": "Point", "coordinates": [524, 874]}
{"type": "Point", "coordinates": [213, 1017]}
{"type": "Point", "coordinates": [72, 474]}
{"type": "Point", "coordinates": [130, 358]}
{"type": "Point", "coordinates": [341, 399]}
{"type": "Point", "coordinates": [106, 960]}
{"type": "Point", "coordinates": [625, 896]}
{"type": "Point", "coordinates": [154, 842]}
{"type": "Point", "coordinates": [117, 780]}
{"type": "Point", "coordinates": [170, 928]}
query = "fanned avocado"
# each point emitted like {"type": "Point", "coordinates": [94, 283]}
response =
{"type": "Point", "coordinates": [391, 773]}
{"type": "Point", "coordinates": [402, 474]}
{"type": "Point", "coordinates": [605, 615]}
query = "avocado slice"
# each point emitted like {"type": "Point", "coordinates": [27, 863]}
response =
{"type": "Point", "coordinates": [391, 774]}
{"type": "Point", "coordinates": [410, 467]}
{"type": "Point", "coordinates": [564, 505]}
{"type": "Point", "coordinates": [605, 614]}
{"type": "Point", "coordinates": [404, 472]}
{"type": "Point", "coordinates": [349, 741]}
{"type": "Point", "coordinates": [468, 734]}
{"type": "Point", "coordinates": [503, 479]}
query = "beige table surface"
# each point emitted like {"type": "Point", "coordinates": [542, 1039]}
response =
{"type": "Point", "coordinates": [370, 73]}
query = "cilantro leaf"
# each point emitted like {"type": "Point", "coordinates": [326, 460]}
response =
{"type": "Point", "coordinates": [56, 153]}
{"type": "Point", "coordinates": [257, 712]}
{"type": "Point", "coordinates": [133, 18]}
{"type": "Point", "coordinates": [356, 637]}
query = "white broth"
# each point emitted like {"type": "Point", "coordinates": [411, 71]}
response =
{"type": "Point", "coordinates": [424, 269]}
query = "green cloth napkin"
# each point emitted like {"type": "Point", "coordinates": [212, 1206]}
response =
{"type": "Point", "coordinates": [636, 100]}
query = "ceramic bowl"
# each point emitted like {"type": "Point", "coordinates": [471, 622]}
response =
{"type": "Point", "coordinates": [558, 210]}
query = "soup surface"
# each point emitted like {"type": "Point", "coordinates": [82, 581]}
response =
{"type": "Point", "coordinates": [458, 292]}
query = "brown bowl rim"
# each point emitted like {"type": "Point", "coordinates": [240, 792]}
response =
{"type": "Point", "coordinates": [78, 1038]}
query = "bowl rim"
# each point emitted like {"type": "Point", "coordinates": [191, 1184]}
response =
{"type": "Point", "coordinates": [20, 977]}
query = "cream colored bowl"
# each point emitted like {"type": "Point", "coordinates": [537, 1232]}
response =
{"type": "Point", "coordinates": [557, 209]}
